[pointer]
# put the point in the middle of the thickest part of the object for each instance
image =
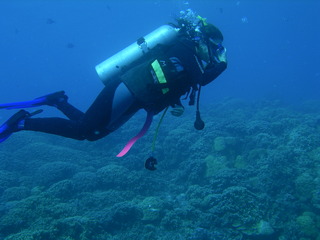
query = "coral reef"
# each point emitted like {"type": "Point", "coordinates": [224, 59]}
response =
{"type": "Point", "coordinates": [253, 173]}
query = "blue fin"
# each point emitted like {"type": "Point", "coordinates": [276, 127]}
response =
{"type": "Point", "coordinates": [50, 99]}
{"type": "Point", "coordinates": [25, 104]}
{"type": "Point", "coordinates": [12, 124]}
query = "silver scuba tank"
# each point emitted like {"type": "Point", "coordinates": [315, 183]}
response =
{"type": "Point", "coordinates": [113, 67]}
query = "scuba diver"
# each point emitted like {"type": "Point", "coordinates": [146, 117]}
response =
{"type": "Point", "coordinates": [153, 73]}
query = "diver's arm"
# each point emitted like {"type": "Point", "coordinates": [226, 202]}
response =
{"type": "Point", "coordinates": [213, 70]}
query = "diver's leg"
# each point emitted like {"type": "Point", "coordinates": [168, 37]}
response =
{"type": "Point", "coordinates": [22, 119]}
{"type": "Point", "coordinates": [112, 108]}
{"type": "Point", "coordinates": [70, 111]}
{"type": "Point", "coordinates": [60, 101]}
{"type": "Point", "coordinates": [58, 126]}
{"type": "Point", "coordinates": [89, 125]}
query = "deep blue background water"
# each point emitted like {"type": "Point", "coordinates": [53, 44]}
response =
{"type": "Point", "coordinates": [273, 46]}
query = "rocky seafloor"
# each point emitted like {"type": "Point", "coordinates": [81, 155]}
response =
{"type": "Point", "coordinates": [252, 173]}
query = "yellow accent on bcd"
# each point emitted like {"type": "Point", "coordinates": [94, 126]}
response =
{"type": "Point", "coordinates": [160, 75]}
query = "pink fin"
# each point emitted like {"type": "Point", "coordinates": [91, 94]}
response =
{"type": "Point", "coordinates": [139, 135]}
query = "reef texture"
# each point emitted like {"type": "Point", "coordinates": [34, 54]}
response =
{"type": "Point", "coordinates": [252, 173]}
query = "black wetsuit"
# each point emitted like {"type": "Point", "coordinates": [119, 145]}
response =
{"type": "Point", "coordinates": [145, 93]}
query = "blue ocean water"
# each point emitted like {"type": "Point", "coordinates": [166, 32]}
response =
{"type": "Point", "coordinates": [272, 46]}
{"type": "Point", "coordinates": [253, 173]}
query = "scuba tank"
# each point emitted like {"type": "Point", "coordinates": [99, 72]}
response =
{"type": "Point", "coordinates": [117, 64]}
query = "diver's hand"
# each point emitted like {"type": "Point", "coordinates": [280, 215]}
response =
{"type": "Point", "coordinates": [177, 110]}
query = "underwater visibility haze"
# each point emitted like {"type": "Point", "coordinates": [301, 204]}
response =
{"type": "Point", "coordinates": [253, 172]}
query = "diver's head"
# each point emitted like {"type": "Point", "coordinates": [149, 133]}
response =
{"type": "Point", "coordinates": [211, 41]}
{"type": "Point", "coordinates": [213, 33]}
